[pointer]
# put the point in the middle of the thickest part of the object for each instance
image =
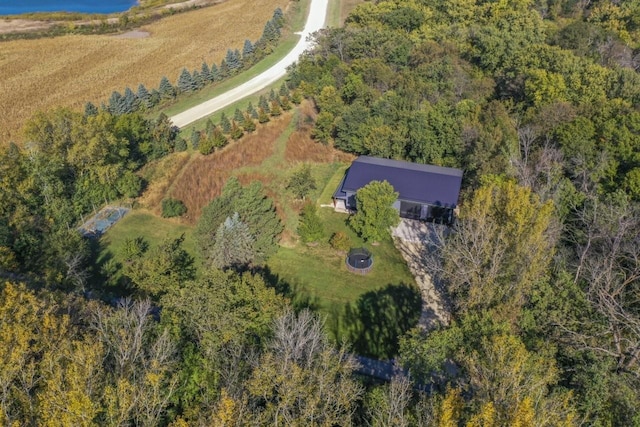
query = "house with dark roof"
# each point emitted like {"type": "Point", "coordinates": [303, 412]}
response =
{"type": "Point", "coordinates": [426, 192]}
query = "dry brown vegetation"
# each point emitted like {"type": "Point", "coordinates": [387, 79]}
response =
{"type": "Point", "coordinates": [205, 176]}
{"type": "Point", "coordinates": [160, 175]}
{"type": "Point", "coordinates": [302, 148]}
{"type": "Point", "coordinates": [71, 70]}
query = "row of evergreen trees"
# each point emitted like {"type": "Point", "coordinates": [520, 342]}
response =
{"type": "Point", "coordinates": [217, 135]}
{"type": "Point", "coordinates": [234, 62]}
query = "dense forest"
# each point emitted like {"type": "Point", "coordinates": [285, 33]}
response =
{"type": "Point", "coordinates": [536, 100]}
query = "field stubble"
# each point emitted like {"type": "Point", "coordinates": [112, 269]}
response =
{"type": "Point", "coordinates": [71, 70]}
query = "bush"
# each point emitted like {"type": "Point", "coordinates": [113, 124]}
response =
{"type": "Point", "coordinates": [172, 208]}
{"type": "Point", "coordinates": [340, 241]}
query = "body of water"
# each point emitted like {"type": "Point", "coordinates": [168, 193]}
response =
{"type": "Point", "coordinates": [17, 7]}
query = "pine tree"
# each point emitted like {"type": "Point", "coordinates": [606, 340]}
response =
{"type": "Point", "coordinates": [263, 116]}
{"type": "Point", "coordinates": [90, 109]}
{"type": "Point", "coordinates": [206, 145]}
{"type": "Point", "coordinates": [248, 124]}
{"type": "Point", "coordinates": [233, 247]}
{"type": "Point", "coordinates": [296, 98]}
{"type": "Point", "coordinates": [205, 72]}
{"type": "Point", "coordinates": [198, 81]}
{"type": "Point", "coordinates": [166, 89]}
{"type": "Point", "coordinates": [215, 73]}
{"type": "Point", "coordinates": [310, 228]}
{"type": "Point", "coordinates": [130, 101]}
{"type": "Point", "coordinates": [284, 90]}
{"type": "Point", "coordinates": [185, 81]}
{"type": "Point", "coordinates": [218, 138]}
{"type": "Point", "coordinates": [195, 138]}
{"type": "Point", "coordinates": [209, 127]}
{"type": "Point", "coordinates": [285, 103]}
{"type": "Point", "coordinates": [276, 110]}
{"type": "Point", "coordinates": [264, 104]}
{"type": "Point", "coordinates": [116, 103]}
{"type": "Point", "coordinates": [238, 116]}
{"type": "Point", "coordinates": [251, 111]}
{"type": "Point", "coordinates": [144, 96]}
{"type": "Point", "coordinates": [278, 18]}
{"type": "Point", "coordinates": [225, 124]}
{"type": "Point", "coordinates": [236, 130]}
{"type": "Point", "coordinates": [272, 95]}
{"type": "Point", "coordinates": [247, 50]}
{"type": "Point", "coordinates": [223, 71]}
{"type": "Point", "coordinates": [271, 33]}
{"type": "Point", "coordinates": [181, 145]}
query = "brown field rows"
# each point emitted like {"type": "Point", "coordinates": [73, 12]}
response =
{"type": "Point", "coordinates": [71, 70]}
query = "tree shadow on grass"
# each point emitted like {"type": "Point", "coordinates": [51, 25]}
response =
{"type": "Point", "coordinates": [375, 322]}
{"type": "Point", "coordinates": [299, 297]}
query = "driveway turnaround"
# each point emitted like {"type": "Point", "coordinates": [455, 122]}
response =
{"type": "Point", "coordinates": [315, 22]}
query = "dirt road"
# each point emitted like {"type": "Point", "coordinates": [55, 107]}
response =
{"type": "Point", "coordinates": [315, 21]}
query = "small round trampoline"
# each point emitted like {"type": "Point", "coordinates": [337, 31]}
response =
{"type": "Point", "coordinates": [359, 260]}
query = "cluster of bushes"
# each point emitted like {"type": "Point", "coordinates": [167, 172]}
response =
{"type": "Point", "coordinates": [233, 63]}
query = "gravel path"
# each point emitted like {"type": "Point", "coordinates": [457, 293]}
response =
{"type": "Point", "coordinates": [411, 238]}
{"type": "Point", "coordinates": [315, 22]}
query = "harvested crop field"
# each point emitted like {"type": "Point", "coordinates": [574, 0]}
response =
{"type": "Point", "coordinates": [71, 70]}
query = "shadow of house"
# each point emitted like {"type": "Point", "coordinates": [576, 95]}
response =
{"type": "Point", "coordinates": [426, 192]}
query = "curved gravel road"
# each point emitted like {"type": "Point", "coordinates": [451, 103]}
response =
{"type": "Point", "coordinates": [315, 22]}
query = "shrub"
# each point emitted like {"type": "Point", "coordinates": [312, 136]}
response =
{"type": "Point", "coordinates": [172, 208]}
{"type": "Point", "coordinates": [340, 241]}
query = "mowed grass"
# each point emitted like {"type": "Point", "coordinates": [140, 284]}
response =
{"type": "Point", "coordinates": [71, 70]}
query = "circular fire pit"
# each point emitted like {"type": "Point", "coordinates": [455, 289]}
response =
{"type": "Point", "coordinates": [359, 260]}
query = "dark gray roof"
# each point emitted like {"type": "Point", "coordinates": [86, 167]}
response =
{"type": "Point", "coordinates": [428, 184]}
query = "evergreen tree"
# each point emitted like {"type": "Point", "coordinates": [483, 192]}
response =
{"type": "Point", "coordinates": [218, 138]}
{"type": "Point", "coordinates": [215, 73]}
{"type": "Point", "coordinates": [198, 81]}
{"type": "Point", "coordinates": [272, 95]}
{"type": "Point", "coordinates": [236, 130]}
{"type": "Point", "coordinates": [276, 110]}
{"type": "Point", "coordinates": [154, 98]}
{"type": "Point", "coordinates": [206, 145]}
{"type": "Point", "coordinates": [285, 103]}
{"type": "Point", "coordinates": [248, 124]}
{"type": "Point", "coordinates": [195, 138]}
{"type": "Point", "coordinates": [263, 116]}
{"type": "Point", "coordinates": [278, 18]}
{"type": "Point", "coordinates": [254, 209]}
{"type": "Point", "coordinates": [264, 104]}
{"type": "Point", "coordinates": [251, 111]}
{"type": "Point", "coordinates": [223, 71]}
{"type": "Point", "coordinates": [310, 227]}
{"type": "Point", "coordinates": [144, 96]}
{"type": "Point", "coordinates": [247, 50]}
{"type": "Point", "coordinates": [296, 97]}
{"type": "Point", "coordinates": [271, 33]}
{"type": "Point", "coordinates": [130, 101]}
{"type": "Point", "coordinates": [166, 89]}
{"type": "Point", "coordinates": [233, 247]}
{"type": "Point", "coordinates": [90, 109]}
{"type": "Point", "coordinates": [186, 82]}
{"type": "Point", "coordinates": [181, 145]}
{"type": "Point", "coordinates": [238, 116]}
{"type": "Point", "coordinates": [284, 90]}
{"type": "Point", "coordinates": [225, 124]}
{"type": "Point", "coordinates": [205, 72]}
{"type": "Point", "coordinates": [209, 127]}
{"type": "Point", "coordinates": [116, 103]}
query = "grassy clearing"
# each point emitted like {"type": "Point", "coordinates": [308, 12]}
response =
{"type": "Point", "coordinates": [71, 70]}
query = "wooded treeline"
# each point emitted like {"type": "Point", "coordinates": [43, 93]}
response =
{"type": "Point", "coordinates": [536, 101]}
